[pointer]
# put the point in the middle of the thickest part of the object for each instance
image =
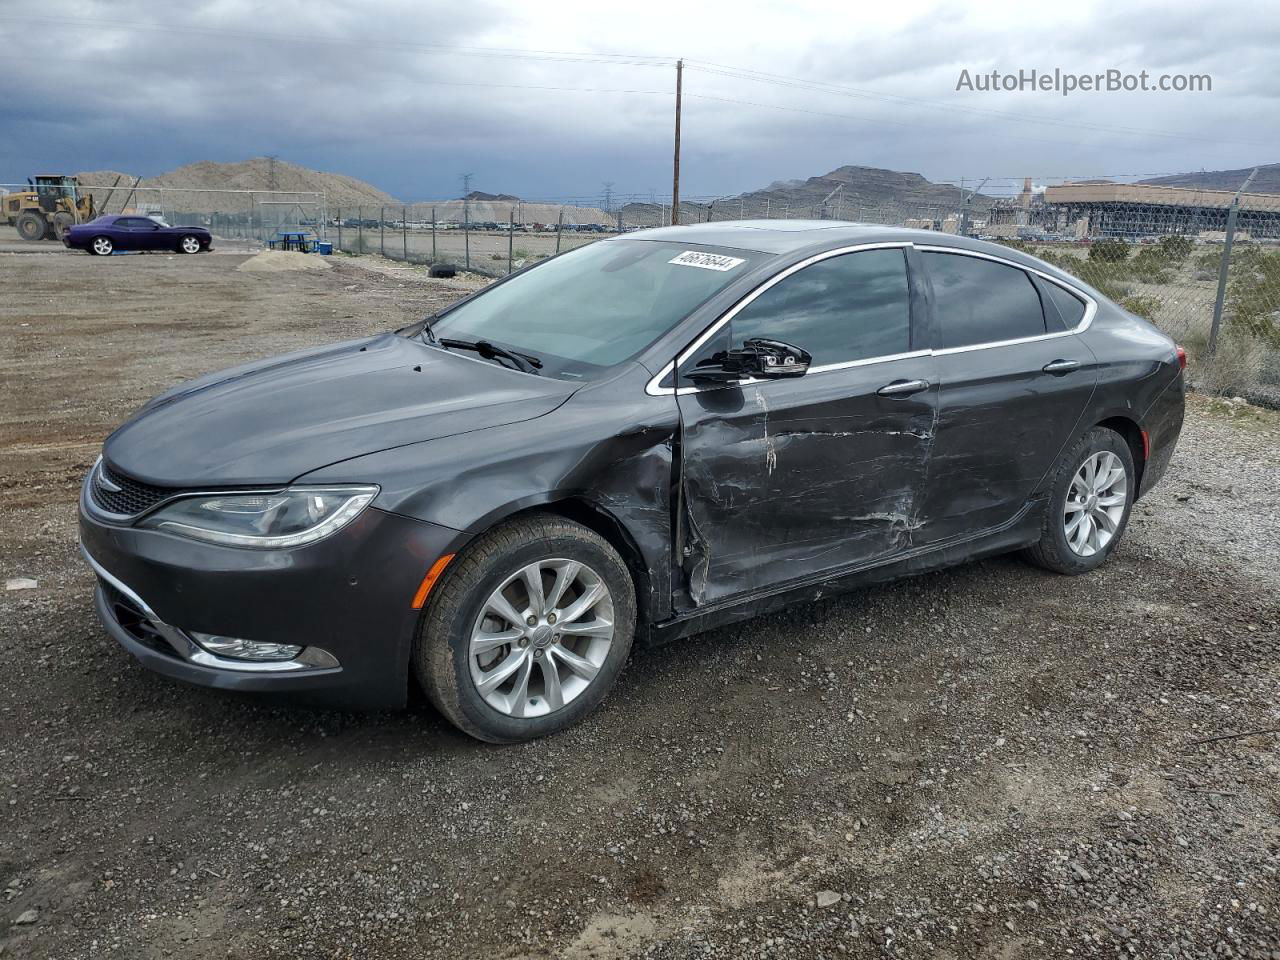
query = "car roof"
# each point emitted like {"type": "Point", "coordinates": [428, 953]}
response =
{"type": "Point", "coordinates": [789, 236]}
{"type": "Point", "coordinates": [815, 236]}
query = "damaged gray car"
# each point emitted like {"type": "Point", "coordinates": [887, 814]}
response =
{"type": "Point", "coordinates": [634, 441]}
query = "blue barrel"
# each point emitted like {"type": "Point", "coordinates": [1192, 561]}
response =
{"type": "Point", "coordinates": [324, 247]}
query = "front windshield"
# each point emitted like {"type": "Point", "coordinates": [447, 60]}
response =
{"type": "Point", "coordinates": [598, 305]}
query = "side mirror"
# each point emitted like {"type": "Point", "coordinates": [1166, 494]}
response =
{"type": "Point", "coordinates": [758, 359]}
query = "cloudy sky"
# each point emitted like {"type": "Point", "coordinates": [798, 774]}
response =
{"type": "Point", "coordinates": [552, 100]}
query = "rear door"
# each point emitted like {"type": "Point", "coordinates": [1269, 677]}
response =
{"type": "Point", "coordinates": [788, 480]}
{"type": "Point", "coordinates": [1014, 381]}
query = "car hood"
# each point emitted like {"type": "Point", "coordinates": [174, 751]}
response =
{"type": "Point", "coordinates": [272, 421]}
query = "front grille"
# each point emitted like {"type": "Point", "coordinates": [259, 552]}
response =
{"type": "Point", "coordinates": [132, 497]}
{"type": "Point", "coordinates": [132, 620]}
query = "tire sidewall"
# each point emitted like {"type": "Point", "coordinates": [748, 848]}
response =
{"type": "Point", "coordinates": [464, 604]}
{"type": "Point", "coordinates": [1097, 440]}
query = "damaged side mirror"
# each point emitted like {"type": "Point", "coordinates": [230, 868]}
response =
{"type": "Point", "coordinates": [757, 358]}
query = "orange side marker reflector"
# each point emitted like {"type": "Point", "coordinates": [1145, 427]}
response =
{"type": "Point", "coordinates": [1146, 445]}
{"type": "Point", "coordinates": [429, 580]}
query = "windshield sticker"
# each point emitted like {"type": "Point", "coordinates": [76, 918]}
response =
{"type": "Point", "coordinates": [707, 261]}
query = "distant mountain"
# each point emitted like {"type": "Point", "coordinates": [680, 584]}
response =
{"type": "Point", "coordinates": [1267, 180]}
{"type": "Point", "coordinates": [481, 195]}
{"type": "Point", "coordinates": [260, 173]}
{"type": "Point", "coordinates": [846, 193]}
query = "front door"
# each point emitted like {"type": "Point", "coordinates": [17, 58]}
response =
{"type": "Point", "coordinates": [785, 481]}
{"type": "Point", "coordinates": [1014, 381]}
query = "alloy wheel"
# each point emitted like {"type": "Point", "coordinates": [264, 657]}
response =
{"type": "Point", "coordinates": [102, 246]}
{"type": "Point", "coordinates": [541, 638]}
{"type": "Point", "coordinates": [1095, 503]}
{"type": "Point", "coordinates": [190, 245]}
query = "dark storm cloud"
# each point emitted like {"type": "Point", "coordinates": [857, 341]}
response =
{"type": "Point", "coordinates": [376, 97]}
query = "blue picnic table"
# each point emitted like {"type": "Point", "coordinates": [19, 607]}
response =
{"type": "Point", "coordinates": [299, 240]}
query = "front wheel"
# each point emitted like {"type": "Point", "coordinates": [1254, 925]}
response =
{"type": "Point", "coordinates": [101, 246]}
{"type": "Point", "coordinates": [527, 631]}
{"type": "Point", "coordinates": [1093, 491]}
{"type": "Point", "coordinates": [189, 245]}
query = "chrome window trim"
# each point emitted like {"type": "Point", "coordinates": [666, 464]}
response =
{"type": "Point", "coordinates": [653, 389]}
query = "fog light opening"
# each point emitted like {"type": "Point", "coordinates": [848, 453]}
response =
{"type": "Point", "coordinates": [236, 648]}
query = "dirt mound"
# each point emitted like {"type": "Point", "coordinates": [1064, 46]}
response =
{"type": "Point", "coordinates": [282, 261]}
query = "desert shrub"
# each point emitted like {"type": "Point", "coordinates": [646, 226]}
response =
{"type": "Point", "coordinates": [1253, 298]}
{"type": "Point", "coordinates": [1150, 266]}
{"type": "Point", "coordinates": [1175, 249]}
{"type": "Point", "coordinates": [1232, 370]}
{"type": "Point", "coordinates": [1109, 251]}
{"type": "Point", "coordinates": [1144, 307]}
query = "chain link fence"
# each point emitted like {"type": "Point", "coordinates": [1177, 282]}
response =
{"type": "Point", "coordinates": [1203, 264]}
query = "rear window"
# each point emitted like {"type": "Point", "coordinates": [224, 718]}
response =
{"type": "Point", "coordinates": [981, 301]}
{"type": "Point", "coordinates": [1067, 306]}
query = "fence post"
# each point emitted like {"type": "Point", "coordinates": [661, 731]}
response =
{"type": "Point", "coordinates": [511, 233]}
{"type": "Point", "coordinates": [433, 234]}
{"type": "Point", "coordinates": [619, 219]}
{"type": "Point", "coordinates": [360, 229]}
{"type": "Point", "coordinates": [559, 228]}
{"type": "Point", "coordinates": [404, 232]}
{"type": "Point", "coordinates": [339, 219]}
{"type": "Point", "coordinates": [382, 230]}
{"type": "Point", "coordinates": [466, 234]}
{"type": "Point", "coordinates": [1224, 266]}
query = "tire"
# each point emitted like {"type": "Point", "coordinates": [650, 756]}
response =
{"type": "Point", "coordinates": [32, 226]}
{"type": "Point", "coordinates": [189, 245]}
{"type": "Point", "coordinates": [459, 613]}
{"type": "Point", "coordinates": [62, 222]}
{"type": "Point", "coordinates": [101, 246]}
{"type": "Point", "coordinates": [1075, 550]}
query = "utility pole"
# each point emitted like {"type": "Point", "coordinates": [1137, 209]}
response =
{"type": "Point", "coordinates": [271, 172]}
{"type": "Point", "coordinates": [675, 167]}
{"type": "Point", "coordinates": [608, 196]}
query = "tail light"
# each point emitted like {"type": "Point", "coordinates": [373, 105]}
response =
{"type": "Point", "coordinates": [1182, 358]}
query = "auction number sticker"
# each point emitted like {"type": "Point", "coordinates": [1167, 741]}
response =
{"type": "Point", "coordinates": [707, 261]}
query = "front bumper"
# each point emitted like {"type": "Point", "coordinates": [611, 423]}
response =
{"type": "Point", "coordinates": [347, 598]}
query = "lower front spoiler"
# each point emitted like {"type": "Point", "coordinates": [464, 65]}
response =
{"type": "Point", "coordinates": [168, 650]}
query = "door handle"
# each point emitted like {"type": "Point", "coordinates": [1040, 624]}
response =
{"type": "Point", "coordinates": [903, 388]}
{"type": "Point", "coordinates": [1061, 366]}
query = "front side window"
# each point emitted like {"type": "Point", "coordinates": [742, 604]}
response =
{"type": "Point", "coordinates": [599, 305]}
{"type": "Point", "coordinates": [981, 301]}
{"type": "Point", "coordinates": [855, 306]}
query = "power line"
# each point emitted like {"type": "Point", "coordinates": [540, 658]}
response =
{"type": "Point", "coordinates": [834, 89]}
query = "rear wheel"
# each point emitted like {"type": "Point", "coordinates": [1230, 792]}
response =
{"type": "Point", "coordinates": [527, 631]}
{"type": "Point", "coordinates": [1093, 491]}
{"type": "Point", "coordinates": [189, 245]}
{"type": "Point", "coordinates": [32, 226]}
{"type": "Point", "coordinates": [101, 246]}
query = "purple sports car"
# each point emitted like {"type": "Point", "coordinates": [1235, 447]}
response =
{"type": "Point", "coordinates": [108, 234]}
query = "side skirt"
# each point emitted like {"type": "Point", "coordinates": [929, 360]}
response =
{"type": "Point", "coordinates": [1020, 531]}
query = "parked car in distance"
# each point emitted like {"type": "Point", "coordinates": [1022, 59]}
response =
{"type": "Point", "coordinates": [641, 438]}
{"type": "Point", "coordinates": [126, 232]}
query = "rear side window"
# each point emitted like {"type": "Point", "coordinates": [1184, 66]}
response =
{"type": "Point", "coordinates": [852, 307]}
{"type": "Point", "coordinates": [1069, 307]}
{"type": "Point", "coordinates": [981, 301]}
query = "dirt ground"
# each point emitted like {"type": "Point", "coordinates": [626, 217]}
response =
{"type": "Point", "coordinates": [986, 762]}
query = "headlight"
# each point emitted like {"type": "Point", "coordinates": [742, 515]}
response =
{"type": "Point", "coordinates": [266, 521]}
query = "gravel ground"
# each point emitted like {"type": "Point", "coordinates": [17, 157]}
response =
{"type": "Point", "coordinates": [986, 762]}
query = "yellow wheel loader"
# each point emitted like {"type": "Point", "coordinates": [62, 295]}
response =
{"type": "Point", "coordinates": [49, 209]}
